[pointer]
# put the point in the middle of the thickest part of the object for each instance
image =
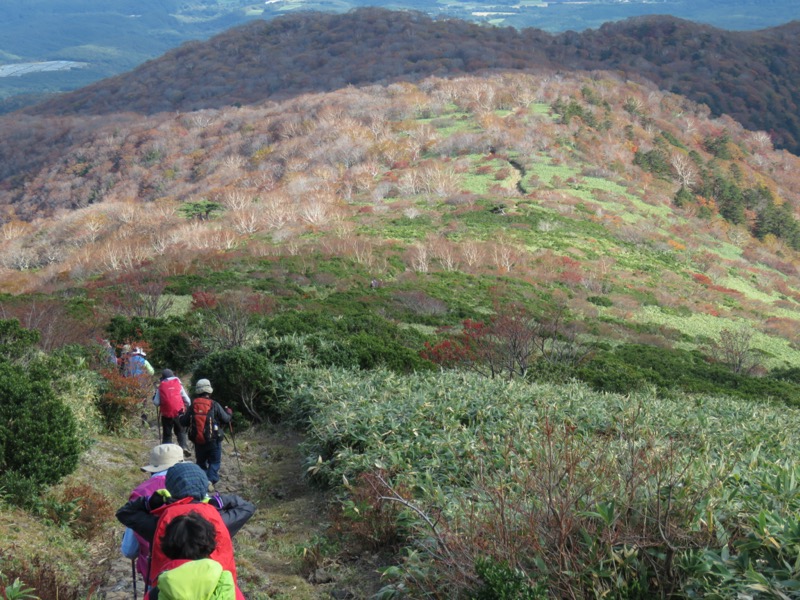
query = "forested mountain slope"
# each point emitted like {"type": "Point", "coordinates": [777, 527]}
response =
{"type": "Point", "coordinates": [592, 188]}
{"type": "Point", "coordinates": [752, 76]}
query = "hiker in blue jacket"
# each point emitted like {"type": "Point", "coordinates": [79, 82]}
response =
{"type": "Point", "coordinates": [137, 364]}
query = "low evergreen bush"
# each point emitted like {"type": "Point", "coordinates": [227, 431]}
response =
{"type": "Point", "coordinates": [39, 444]}
{"type": "Point", "coordinates": [362, 341]}
{"type": "Point", "coordinates": [242, 378]}
{"type": "Point", "coordinates": [501, 582]}
{"type": "Point", "coordinates": [630, 366]}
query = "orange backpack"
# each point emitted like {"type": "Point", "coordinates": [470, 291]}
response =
{"type": "Point", "coordinates": [202, 428]}
{"type": "Point", "coordinates": [223, 553]}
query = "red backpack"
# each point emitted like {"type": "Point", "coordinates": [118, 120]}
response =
{"type": "Point", "coordinates": [169, 392]}
{"type": "Point", "coordinates": [223, 553]}
{"type": "Point", "coordinates": [202, 428]}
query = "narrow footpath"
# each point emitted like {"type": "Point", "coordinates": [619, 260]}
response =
{"type": "Point", "coordinates": [280, 552]}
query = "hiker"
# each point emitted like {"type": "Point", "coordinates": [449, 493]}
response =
{"type": "Point", "coordinates": [171, 399]}
{"type": "Point", "coordinates": [185, 491]}
{"type": "Point", "coordinates": [203, 420]}
{"type": "Point", "coordinates": [162, 457]}
{"type": "Point", "coordinates": [124, 357]}
{"type": "Point", "coordinates": [111, 354]}
{"type": "Point", "coordinates": [189, 541]}
{"type": "Point", "coordinates": [136, 364]}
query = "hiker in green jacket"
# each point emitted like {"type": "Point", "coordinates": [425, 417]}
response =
{"type": "Point", "coordinates": [189, 540]}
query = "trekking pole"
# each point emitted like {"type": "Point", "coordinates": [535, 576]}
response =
{"type": "Point", "coordinates": [133, 573]}
{"type": "Point", "coordinates": [235, 451]}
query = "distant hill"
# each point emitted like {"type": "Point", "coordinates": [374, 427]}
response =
{"type": "Point", "coordinates": [752, 76]}
{"type": "Point", "coordinates": [113, 37]}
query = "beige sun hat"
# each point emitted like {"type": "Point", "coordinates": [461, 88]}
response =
{"type": "Point", "coordinates": [162, 457]}
{"type": "Point", "coordinates": [203, 386]}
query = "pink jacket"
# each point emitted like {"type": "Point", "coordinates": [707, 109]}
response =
{"type": "Point", "coordinates": [146, 488]}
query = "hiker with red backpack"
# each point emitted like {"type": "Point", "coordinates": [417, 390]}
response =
{"type": "Point", "coordinates": [171, 399]}
{"type": "Point", "coordinates": [189, 540]}
{"type": "Point", "coordinates": [185, 492]}
{"type": "Point", "coordinates": [203, 420]}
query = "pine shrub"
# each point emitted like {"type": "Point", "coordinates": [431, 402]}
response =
{"type": "Point", "coordinates": [241, 378]}
{"type": "Point", "coordinates": [38, 438]}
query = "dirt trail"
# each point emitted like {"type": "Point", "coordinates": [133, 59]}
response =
{"type": "Point", "coordinates": [290, 516]}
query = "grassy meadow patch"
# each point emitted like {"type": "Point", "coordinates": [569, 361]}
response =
{"type": "Point", "coordinates": [776, 352]}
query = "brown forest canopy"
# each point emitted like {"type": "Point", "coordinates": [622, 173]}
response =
{"type": "Point", "coordinates": [753, 76]}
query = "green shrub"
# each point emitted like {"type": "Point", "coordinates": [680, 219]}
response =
{"type": "Point", "coordinates": [78, 387]}
{"type": "Point", "coordinates": [718, 145]}
{"type": "Point", "coordinates": [38, 437]}
{"type": "Point", "coordinates": [242, 378]}
{"type": "Point", "coordinates": [600, 300]}
{"type": "Point", "coordinates": [171, 340]}
{"type": "Point", "coordinates": [361, 340]}
{"type": "Point", "coordinates": [629, 366]}
{"type": "Point", "coordinates": [294, 322]}
{"type": "Point", "coordinates": [501, 582]}
{"type": "Point", "coordinates": [786, 374]}
{"type": "Point", "coordinates": [373, 351]}
{"type": "Point", "coordinates": [654, 161]}
{"type": "Point", "coordinates": [607, 373]}
{"type": "Point", "coordinates": [15, 340]}
{"type": "Point", "coordinates": [683, 197]}
{"type": "Point", "coordinates": [545, 371]}
{"type": "Point", "coordinates": [312, 349]}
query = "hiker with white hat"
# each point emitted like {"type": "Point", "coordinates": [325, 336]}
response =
{"type": "Point", "coordinates": [137, 364]}
{"type": "Point", "coordinates": [162, 457]}
{"type": "Point", "coordinates": [204, 421]}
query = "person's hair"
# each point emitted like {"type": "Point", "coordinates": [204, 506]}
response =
{"type": "Point", "coordinates": [189, 536]}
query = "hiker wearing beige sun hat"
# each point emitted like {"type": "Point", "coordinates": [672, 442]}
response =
{"type": "Point", "coordinates": [162, 457]}
{"type": "Point", "coordinates": [205, 420]}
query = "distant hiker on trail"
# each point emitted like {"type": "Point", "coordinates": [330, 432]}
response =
{"type": "Point", "coordinates": [203, 420]}
{"type": "Point", "coordinates": [124, 357]}
{"type": "Point", "coordinates": [161, 458]}
{"type": "Point", "coordinates": [171, 399]}
{"type": "Point", "coordinates": [186, 492]}
{"type": "Point", "coordinates": [135, 364]}
{"type": "Point", "coordinates": [111, 354]}
{"type": "Point", "coordinates": [189, 540]}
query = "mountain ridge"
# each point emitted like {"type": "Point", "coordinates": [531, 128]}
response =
{"type": "Point", "coordinates": [750, 75]}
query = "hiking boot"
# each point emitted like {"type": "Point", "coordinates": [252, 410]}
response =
{"type": "Point", "coordinates": [211, 488]}
{"type": "Point", "coordinates": [187, 453]}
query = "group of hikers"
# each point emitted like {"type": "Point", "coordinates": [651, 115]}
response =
{"type": "Point", "coordinates": [179, 528]}
{"type": "Point", "coordinates": [200, 420]}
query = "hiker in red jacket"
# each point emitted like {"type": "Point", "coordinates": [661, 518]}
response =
{"type": "Point", "coordinates": [186, 492]}
{"type": "Point", "coordinates": [172, 400]}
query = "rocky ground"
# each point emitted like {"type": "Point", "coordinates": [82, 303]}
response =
{"type": "Point", "coordinates": [282, 552]}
